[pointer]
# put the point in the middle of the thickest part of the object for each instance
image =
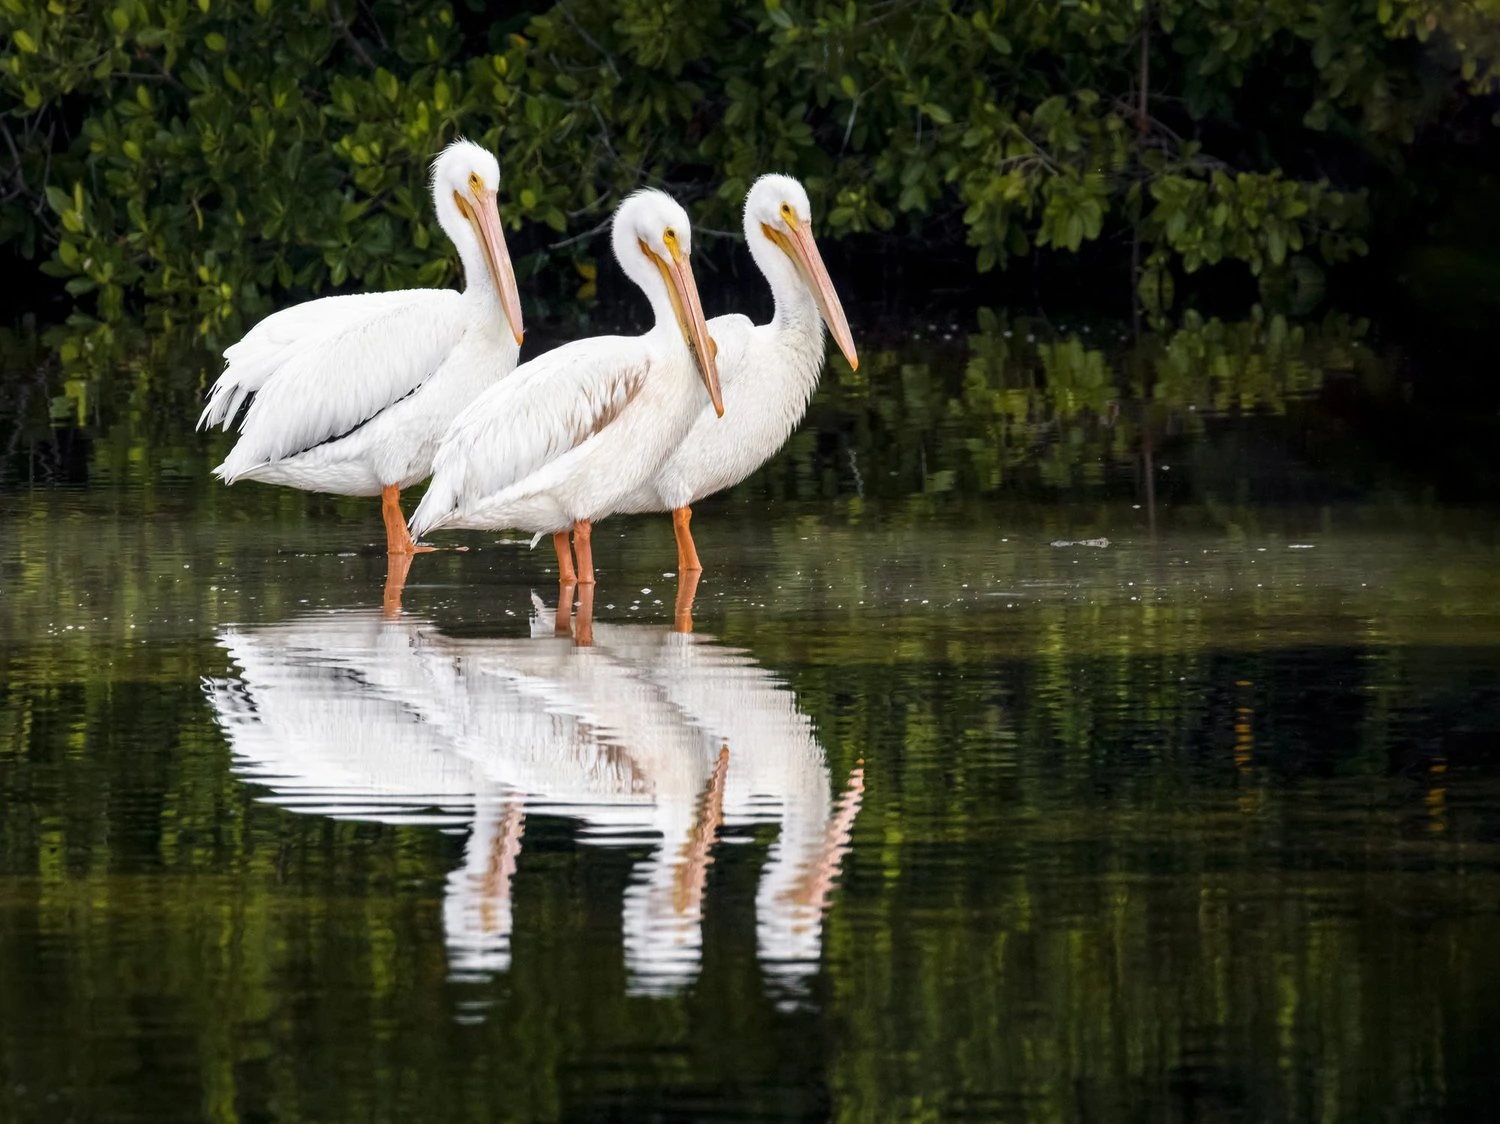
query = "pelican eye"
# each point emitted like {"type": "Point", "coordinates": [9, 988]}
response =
{"type": "Point", "coordinates": [786, 211]}
{"type": "Point", "coordinates": [476, 185]}
{"type": "Point", "coordinates": [669, 237]}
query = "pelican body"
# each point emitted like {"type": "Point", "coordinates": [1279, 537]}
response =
{"type": "Point", "coordinates": [569, 435]}
{"type": "Point", "coordinates": [351, 394]}
{"type": "Point", "coordinates": [769, 371]}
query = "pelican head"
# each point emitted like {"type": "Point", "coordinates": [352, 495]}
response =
{"type": "Point", "coordinates": [465, 181]}
{"type": "Point", "coordinates": [778, 214]}
{"type": "Point", "coordinates": [653, 240]}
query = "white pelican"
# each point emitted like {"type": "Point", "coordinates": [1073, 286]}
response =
{"type": "Point", "coordinates": [568, 435]}
{"type": "Point", "coordinates": [769, 370]}
{"type": "Point", "coordinates": [335, 714]}
{"type": "Point", "coordinates": [572, 731]}
{"type": "Point", "coordinates": [779, 773]}
{"type": "Point", "coordinates": [351, 394]}
{"type": "Point", "coordinates": [647, 739]}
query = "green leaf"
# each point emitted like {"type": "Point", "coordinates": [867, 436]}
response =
{"type": "Point", "coordinates": [1276, 244]}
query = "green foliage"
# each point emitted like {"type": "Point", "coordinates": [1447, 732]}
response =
{"type": "Point", "coordinates": [206, 156]}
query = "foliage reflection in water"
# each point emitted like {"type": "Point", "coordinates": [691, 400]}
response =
{"type": "Point", "coordinates": [1017, 401]}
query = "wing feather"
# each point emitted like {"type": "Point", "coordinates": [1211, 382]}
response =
{"type": "Point", "coordinates": [321, 369]}
{"type": "Point", "coordinates": [262, 350]}
{"type": "Point", "coordinates": [546, 408]}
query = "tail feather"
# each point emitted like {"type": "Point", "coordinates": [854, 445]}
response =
{"type": "Point", "coordinates": [437, 505]}
{"type": "Point", "coordinates": [251, 361]}
{"type": "Point", "coordinates": [222, 405]}
{"type": "Point", "coordinates": [237, 464]}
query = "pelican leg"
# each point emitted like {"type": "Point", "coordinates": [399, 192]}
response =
{"type": "Point", "coordinates": [687, 553]}
{"type": "Point", "coordinates": [813, 888]}
{"type": "Point", "coordinates": [583, 627]}
{"type": "Point", "coordinates": [687, 589]}
{"type": "Point", "coordinates": [499, 871]}
{"type": "Point", "coordinates": [562, 621]}
{"type": "Point", "coordinates": [583, 546]}
{"type": "Point", "coordinates": [565, 572]}
{"type": "Point", "coordinates": [397, 566]}
{"type": "Point", "coordinates": [398, 539]}
{"type": "Point", "coordinates": [696, 852]}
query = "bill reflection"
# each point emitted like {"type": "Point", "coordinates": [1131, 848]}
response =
{"type": "Point", "coordinates": [641, 736]}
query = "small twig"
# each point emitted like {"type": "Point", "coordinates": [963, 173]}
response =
{"type": "Point", "coordinates": [1041, 154]}
{"type": "Point", "coordinates": [375, 23]}
{"type": "Point", "coordinates": [849, 125]}
{"type": "Point", "coordinates": [589, 39]}
{"type": "Point", "coordinates": [640, 171]}
{"type": "Point", "coordinates": [14, 154]}
{"type": "Point", "coordinates": [343, 25]}
{"type": "Point", "coordinates": [1141, 115]}
{"type": "Point", "coordinates": [41, 204]}
{"type": "Point", "coordinates": [166, 75]}
{"type": "Point", "coordinates": [587, 209]}
{"type": "Point", "coordinates": [587, 234]}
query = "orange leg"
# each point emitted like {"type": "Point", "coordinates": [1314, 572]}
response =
{"type": "Point", "coordinates": [494, 883]}
{"type": "Point", "coordinates": [687, 589]}
{"type": "Point", "coordinates": [583, 546]}
{"type": "Point", "coordinates": [565, 572]}
{"type": "Point", "coordinates": [813, 887]}
{"type": "Point", "coordinates": [398, 539]}
{"type": "Point", "coordinates": [562, 623]}
{"type": "Point", "coordinates": [583, 631]}
{"type": "Point", "coordinates": [397, 566]}
{"type": "Point", "coordinates": [692, 874]}
{"type": "Point", "coordinates": [687, 553]}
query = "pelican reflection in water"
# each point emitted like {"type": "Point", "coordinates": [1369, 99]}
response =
{"type": "Point", "coordinates": [641, 735]}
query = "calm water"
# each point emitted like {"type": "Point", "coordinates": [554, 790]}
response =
{"type": "Point", "coordinates": [1066, 731]}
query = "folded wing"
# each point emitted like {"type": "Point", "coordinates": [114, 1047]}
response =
{"type": "Point", "coordinates": [319, 370]}
{"type": "Point", "coordinates": [547, 408]}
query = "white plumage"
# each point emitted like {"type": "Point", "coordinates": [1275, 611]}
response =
{"type": "Point", "coordinates": [769, 371]}
{"type": "Point", "coordinates": [649, 738]}
{"type": "Point", "coordinates": [569, 434]}
{"type": "Point", "coordinates": [778, 774]}
{"type": "Point", "coordinates": [351, 394]}
{"type": "Point", "coordinates": [324, 711]}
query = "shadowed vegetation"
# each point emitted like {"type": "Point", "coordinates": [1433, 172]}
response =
{"type": "Point", "coordinates": [209, 159]}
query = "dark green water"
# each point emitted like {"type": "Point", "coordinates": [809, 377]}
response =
{"type": "Point", "coordinates": [1068, 732]}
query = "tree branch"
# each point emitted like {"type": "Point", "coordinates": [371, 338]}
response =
{"type": "Point", "coordinates": [589, 39]}
{"type": "Point", "coordinates": [349, 37]}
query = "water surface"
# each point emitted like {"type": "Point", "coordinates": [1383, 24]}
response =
{"type": "Point", "coordinates": [1065, 731]}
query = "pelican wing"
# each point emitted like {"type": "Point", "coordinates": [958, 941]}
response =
{"type": "Point", "coordinates": [546, 408]}
{"type": "Point", "coordinates": [319, 370]}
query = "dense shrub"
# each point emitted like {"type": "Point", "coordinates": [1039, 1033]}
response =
{"type": "Point", "coordinates": [204, 156]}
